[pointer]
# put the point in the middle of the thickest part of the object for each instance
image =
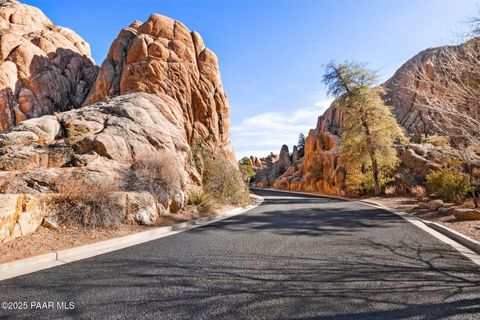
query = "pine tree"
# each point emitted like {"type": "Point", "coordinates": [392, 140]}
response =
{"type": "Point", "coordinates": [301, 145]}
{"type": "Point", "coordinates": [369, 129]}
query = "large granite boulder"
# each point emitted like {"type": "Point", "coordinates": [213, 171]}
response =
{"type": "Point", "coordinates": [162, 55]}
{"type": "Point", "coordinates": [106, 137]}
{"type": "Point", "coordinates": [43, 68]}
{"type": "Point", "coordinates": [426, 75]}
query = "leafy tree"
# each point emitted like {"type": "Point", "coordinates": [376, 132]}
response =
{"type": "Point", "coordinates": [246, 168]}
{"type": "Point", "coordinates": [301, 145]}
{"type": "Point", "coordinates": [369, 129]}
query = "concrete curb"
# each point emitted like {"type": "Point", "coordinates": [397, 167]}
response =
{"type": "Point", "coordinates": [468, 242]}
{"type": "Point", "coordinates": [464, 240]}
{"type": "Point", "coordinates": [52, 259]}
{"type": "Point", "coordinates": [460, 242]}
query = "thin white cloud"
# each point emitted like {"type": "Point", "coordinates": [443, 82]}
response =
{"type": "Point", "coordinates": [266, 132]}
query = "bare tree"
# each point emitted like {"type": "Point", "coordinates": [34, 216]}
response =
{"type": "Point", "coordinates": [447, 89]}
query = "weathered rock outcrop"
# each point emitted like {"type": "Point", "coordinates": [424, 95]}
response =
{"type": "Point", "coordinates": [406, 91]}
{"type": "Point", "coordinates": [19, 215]}
{"type": "Point", "coordinates": [101, 144]}
{"type": "Point", "coordinates": [163, 56]}
{"type": "Point", "coordinates": [43, 68]}
{"type": "Point", "coordinates": [158, 96]}
{"type": "Point", "coordinates": [101, 140]}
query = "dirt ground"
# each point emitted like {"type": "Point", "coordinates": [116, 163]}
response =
{"type": "Point", "coordinates": [45, 240]}
{"type": "Point", "coordinates": [470, 228]}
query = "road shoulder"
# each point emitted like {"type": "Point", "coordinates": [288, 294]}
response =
{"type": "Point", "coordinates": [53, 259]}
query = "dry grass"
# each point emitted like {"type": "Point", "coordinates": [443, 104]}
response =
{"type": "Point", "coordinates": [224, 183]}
{"type": "Point", "coordinates": [86, 203]}
{"type": "Point", "coordinates": [201, 200]}
{"type": "Point", "coordinates": [437, 141]}
{"type": "Point", "coordinates": [156, 173]}
{"type": "Point", "coordinates": [419, 192]}
{"type": "Point", "coordinates": [390, 190]}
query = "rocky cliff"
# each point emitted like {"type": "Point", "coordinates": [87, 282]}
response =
{"type": "Point", "coordinates": [409, 93]}
{"type": "Point", "coordinates": [43, 68]}
{"type": "Point", "coordinates": [163, 56]}
{"type": "Point", "coordinates": [320, 169]}
{"type": "Point", "coordinates": [158, 95]}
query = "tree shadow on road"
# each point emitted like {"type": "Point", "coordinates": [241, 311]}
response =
{"type": "Point", "coordinates": [332, 261]}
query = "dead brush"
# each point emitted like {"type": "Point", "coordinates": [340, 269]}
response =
{"type": "Point", "coordinates": [201, 200]}
{"type": "Point", "coordinates": [156, 173]}
{"type": "Point", "coordinates": [86, 203]}
{"type": "Point", "coordinates": [419, 192]}
{"type": "Point", "coordinates": [224, 183]}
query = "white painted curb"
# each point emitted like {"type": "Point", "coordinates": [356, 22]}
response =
{"type": "Point", "coordinates": [465, 245]}
{"type": "Point", "coordinates": [53, 259]}
{"type": "Point", "coordinates": [468, 242]}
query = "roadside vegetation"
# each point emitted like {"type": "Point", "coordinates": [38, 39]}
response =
{"type": "Point", "coordinates": [156, 173]}
{"type": "Point", "coordinates": [223, 182]}
{"type": "Point", "coordinates": [85, 203]}
{"type": "Point", "coordinates": [449, 183]}
{"type": "Point", "coordinates": [96, 203]}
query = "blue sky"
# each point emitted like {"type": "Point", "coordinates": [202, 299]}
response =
{"type": "Point", "coordinates": [272, 53]}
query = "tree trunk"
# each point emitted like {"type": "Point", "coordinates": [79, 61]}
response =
{"type": "Point", "coordinates": [375, 171]}
{"type": "Point", "coordinates": [376, 176]}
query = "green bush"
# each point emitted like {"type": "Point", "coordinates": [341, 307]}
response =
{"type": "Point", "coordinates": [448, 183]}
{"type": "Point", "coordinates": [224, 183]}
{"type": "Point", "coordinates": [368, 185]}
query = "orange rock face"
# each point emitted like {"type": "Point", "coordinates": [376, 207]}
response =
{"type": "Point", "coordinates": [43, 68]}
{"type": "Point", "coordinates": [163, 56]}
{"type": "Point", "coordinates": [318, 170]}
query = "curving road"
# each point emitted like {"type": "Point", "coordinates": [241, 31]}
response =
{"type": "Point", "coordinates": [293, 257]}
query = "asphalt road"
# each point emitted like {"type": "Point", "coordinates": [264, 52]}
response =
{"type": "Point", "coordinates": [293, 257]}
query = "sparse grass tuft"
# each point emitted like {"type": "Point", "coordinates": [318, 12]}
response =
{"type": "Point", "coordinates": [201, 200]}
{"type": "Point", "coordinates": [419, 192]}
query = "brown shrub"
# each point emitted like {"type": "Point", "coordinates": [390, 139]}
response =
{"type": "Point", "coordinates": [157, 173]}
{"type": "Point", "coordinates": [315, 170]}
{"type": "Point", "coordinates": [224, 183]}
{"type": "Point", "coordinates": [419, 192]}
{"type": "Point", "coordinates": [90, 203]}
{"type": "Point", "coordinates": [390, 190]}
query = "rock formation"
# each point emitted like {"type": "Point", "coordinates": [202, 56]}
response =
{"type": "Point", "coordinates": [163, 56]}
{"type": "Point", "coordinates": [43, 68]}
{"type": "Point", "coordinates": [406, 91]}
{"type": "Point", "coordinates": [158, 95]}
